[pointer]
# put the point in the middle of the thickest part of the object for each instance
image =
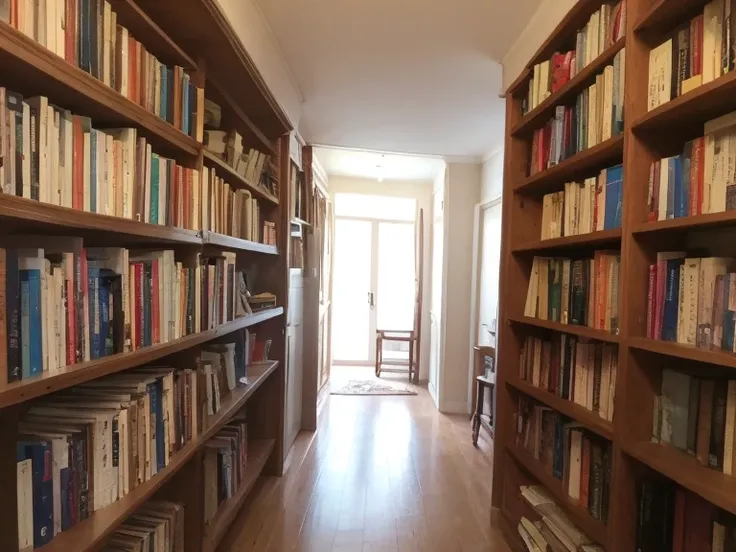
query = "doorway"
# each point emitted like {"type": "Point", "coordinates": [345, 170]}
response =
{"type": "Point", "coordinates": [374, 275]}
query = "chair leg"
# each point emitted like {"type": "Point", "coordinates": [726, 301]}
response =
{"type": "Point", "coordinates": [378, 356]}
{"type": "Point", "coordinates": [411, 361]}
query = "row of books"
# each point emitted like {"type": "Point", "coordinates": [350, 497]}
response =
{"type": "Point", "coordinates": [604, 27]}
{"type": "Point", "coordinates": [598, 114]}
{"type": "Point", "coordinates": [584, 373]}
{"type": "Point", "coordinates": [692, 300]}
{"type": "Point", "coordinates": [698, 52]}
{"type": "Point", "coordinates": [555, 531]}
{"type": "Point", "coordinates": [157, 526]}
{"type": "Point", "coordinates": [225, 462]}
{"type": "Point", "coordinates": [229, 147]}
{"type": "Point", "coordinates": [699, 180]}
{"type": "Point", "coordinates": [576, 457]}
{"type": "Point", "coordinates": [672, 518]}
{"type": "Point", "coordinates": [576, 291]}
{"type": "Point", "coordinates": [66, 305]}
{"type": "Point", "coordinates": [86, 34]}
{"type": "Point", "coordinates": [698, 416]}
{"type": "Point", "coordinates": [583, 207]}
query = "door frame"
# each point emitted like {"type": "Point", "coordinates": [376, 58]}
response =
{"type": "Point", "coordinates": [372, 326]}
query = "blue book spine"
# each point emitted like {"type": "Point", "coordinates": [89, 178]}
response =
{"type": "Point", "coordinates": [83, 25]}
{"type": "Point", "coordinates": [679, 209]}
{"type": "Point", "coordinates": [729, 318]}
{"type": "Point", "coordinates": [612, 211]}
{"type": "Point", "coordinates": [93, 171]}
{"type": "Point", "coordinates": [104, 302]}
{"type": "Point", "coordinates": [65, 477]}
{"type": "Point", "coordinates": [686, 165]}
{"type": "Point", "coordinates": [154, 414]}
{"type": "Point", "coordinates": [39, 452]}
{"type": "Point", "coordinates": [161, 439]}
{"type": "Point", "coordinates": [164, 93]}
{"type": "Point", "coordinates": [93, 279]}
{"type": "Point", "coordinates": [35, 353]}
{"type": "Point", "coordinates": [169, 91]}
{"type": "Point", "coordinates": [671, 300]}
{"type": "Point", "coordinates": [558, 462]}
{"type": "Point", "coordinates": [671, 182]}
{"type": "Point", "coordinates": [154, 188]}
{"type": "Point", "coordinates": [25, 334]}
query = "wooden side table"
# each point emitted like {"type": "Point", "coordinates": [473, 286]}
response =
{"type": "Point", "coordinates": [479, 418]}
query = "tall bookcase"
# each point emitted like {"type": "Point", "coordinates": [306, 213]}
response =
{"type": "Point", "coordinates": [648, 135]}
{"type": "Point", "coordinates": [195, 35]}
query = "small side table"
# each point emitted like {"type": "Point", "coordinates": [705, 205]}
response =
{"type": "Point", "coordinates": [479, 419]}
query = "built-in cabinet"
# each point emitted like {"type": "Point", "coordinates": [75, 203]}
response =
{"type": "Point", "coordinates": [295, 358]}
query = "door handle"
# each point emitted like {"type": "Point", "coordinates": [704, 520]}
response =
{"type": "Point", "coordinates": [370, 299]}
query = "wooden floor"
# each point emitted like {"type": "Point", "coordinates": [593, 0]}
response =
{"type": "Point", "coordinates": [381, 474]}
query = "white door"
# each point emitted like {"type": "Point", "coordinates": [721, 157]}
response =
{"type": "Point", "coordinates": [435, 308]}
{"type": "Point", "coordinates": [490, 267]}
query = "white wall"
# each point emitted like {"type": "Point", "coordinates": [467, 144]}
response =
{"type": "Point", "coordinates": [541, 25]}
{"type": "Point", "coordinates": [246, 18]}
{"type": "Point", "coordinates": [492, 177]}
{"type": "Point", "coordinates": [421, 190]}
{"type": "Point", "coordinates": [462, 193]}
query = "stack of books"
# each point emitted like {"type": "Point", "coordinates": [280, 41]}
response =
{"type": "Point", "coordinates": [584, 373]}
{"type": "Point", "coordinates": [156, 526]}
{"type": "Point", "coordinates": [554, 530]}
{"type": "Point", "coordinates": [87, 35]}
{"type": "Point", "coordinates": [597, 115]}
{"type": "Point", "coordinates": [82, 449]}
{"type": "Point", "coordinates": [672, 518]}
{"type": "Point", "coordinates": [697, 181]}
{"type": "Point", "coordinates": [579, 459]}
{"type": "Point", "coordinates": [690, 300]}
{"type": "Point", "coordinates": [699, 52]}
{"type": "Point", "coordinates": [576, 291]}
{"type": "Point", "coordinates": [583, 207]}
{"type": "Point", "coordinates": [697, 415]}
{"type": "Point", "coordinates": [225, 462]}
{"type": "Point", "coordinates": [66, 305]}
{"type": "Point", "coordinates": [604, 27]}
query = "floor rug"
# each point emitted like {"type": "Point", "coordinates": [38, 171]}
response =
{"type": "Point", "coordinates": [373, 387]}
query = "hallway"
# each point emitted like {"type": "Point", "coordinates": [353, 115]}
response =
{"type": "Point", "coordinates": [386, 474]}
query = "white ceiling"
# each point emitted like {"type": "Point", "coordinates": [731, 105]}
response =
{"type": "Point", "coordinates": [367, 164]}
{"type": "Point", "coordinates": [412, 76]}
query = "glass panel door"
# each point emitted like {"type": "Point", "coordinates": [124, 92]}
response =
{"type": "Point", "coordinates": [351, 326]}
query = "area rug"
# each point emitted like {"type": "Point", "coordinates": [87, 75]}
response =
{"type": "Point", "coordinates": [373, 387]}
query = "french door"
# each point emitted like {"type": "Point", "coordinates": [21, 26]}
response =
{"type": "Point", "coordinates": [373, 286]}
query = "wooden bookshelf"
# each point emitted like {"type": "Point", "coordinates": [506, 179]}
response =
{"type": "Point", "coordinates": [196, 35]}
{"type": "Point", "coordinates": [647, 136]}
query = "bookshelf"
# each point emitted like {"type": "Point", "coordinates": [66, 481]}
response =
{"type": "Point", "coordinates": [196, 36]}
{"type": "Point", "coordinates": [648, 136]}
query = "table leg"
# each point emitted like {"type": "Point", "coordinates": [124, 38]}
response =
{"type": "Point", "coordinates": [478, 412]}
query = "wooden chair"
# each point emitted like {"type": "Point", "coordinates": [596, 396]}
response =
{"type": "Point", "coordinates": [484, 357]}
{"type": "Point", "coordinates": [407, 336]}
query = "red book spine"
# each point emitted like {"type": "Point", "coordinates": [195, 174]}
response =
{"type": "Point", "coordinates": [156, 313]}
{"type": "Point", "coordinates": [652, 199]}
{"type": "Point", "coordinates": [78, 164]}
{"type": "Point", "coordinates": [696, 45]}
{"type": "Point", "coordinates": [697, 176]}
{"type": "Point", "coordinates": [678, 523]}
{"type": "Point", "coordinates": [85, 302]}
{"type": "Point", "coordinates": [650, 301]}
{"type": "Point", "coordinates": [70, 22]}
{"type": "Point", "coordinates": [138, 337]}
{"type": "Point", "coordinates": [14, 13]}
{"type": "Point", "coordinates": [585, 474]}
{"type": "Point", "coordinates": [180, 196]}
{"type": "Point", "coordinates": [71, 321]}
{"type": "Point", "coordinates": [659, 298]}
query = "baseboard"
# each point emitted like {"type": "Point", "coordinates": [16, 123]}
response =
{"type": "Point", "coordinates": [454, 407]}
{"type": "Point", "coordinates": [433, 393]}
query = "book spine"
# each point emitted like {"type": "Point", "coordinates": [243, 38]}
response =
{"type": "Point", "coordinates": [12, 314]}
{"type": "Point", "coordinates": [661, 269]}
{"type": "Point", "coordinates": [671, 299]}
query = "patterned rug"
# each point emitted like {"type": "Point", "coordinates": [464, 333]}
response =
{"type": "Point", "coordinates": [373, 387]}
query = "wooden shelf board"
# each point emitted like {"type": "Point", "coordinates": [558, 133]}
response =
{"type": "Point", "coordinates": [33, 69]}
{"type": "Point", "coordinates": [24, 390]}
{"type": "Point", "coordinates": [90, 533]}
{"type": "Point", "coordinates": [589, 419]}
{"type": "Point", "coordinates": [522, 79]}
{"type": "Point", "coordinates": [714, 486]}
{"type": "Point", "coordinates": [664, 15]}
{"type": "Point", "coordinates": [216, 529]}
{"type": "Point", "coordinates": [230, 242]}
{"type": "Point", "coordinates": [572, 329]}
{"type": "Point", "coordinates": [234, 178]}
{"type": "Point", "coordinates": [696, 222]}
{"type": "Point", "coordinates": [595, 529]}
{"type": "Point", "coordinates": [692, 109]}
{"type": "Point", "coordinates": [678, 350]}
{"type": "Point", "coordinates": [30, 215]}
{"type": "Point", "coordinates": [582, 164]}
{"type": "Point", "coordinates": [604, 237]}
{"type": "Point", "coordinates": [538, 116]}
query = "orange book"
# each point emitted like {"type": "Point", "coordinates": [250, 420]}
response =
{"type": "Point", "coordinates": [180, 196]}
{"type": "Point", "coordinates": [187, 208]}
{"type": "Point", "coordinates": [132, 71]}
{"type": "Point", "coordinates": [77, 163]}
{"type": "Point", "coordinates": [143, 76]}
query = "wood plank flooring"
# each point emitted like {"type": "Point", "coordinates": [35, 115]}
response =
{"type": "Point", "coordinates": [382, 474]}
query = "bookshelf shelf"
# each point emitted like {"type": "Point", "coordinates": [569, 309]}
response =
{"type": "Point", "coordinates": [258, 453]}
{"type": "Point", "coordinates": [678, 350]}
{"type": "Point", "coordinates": [229, 242]}
{"type": "Point", "coordinates": [579, 165]}
{"type": "Point", "coordinates": [24, 390]}
{"type": "Point", "coordinates": [593, 239]}
{"type": "Point", "coordinates": [709, 220]}
{"type": "Point", "coordinates": [589, 419]}
{"type": "Point", "coordinates": [544, 111]}
{"type": "Point", "coordinates": [572, 329]}
{"type": "Point", "coordinates": [232, 177]}
{"type": "Point", "coordinates": [594, 528]}
{"type": "Point", "coordinates": [90, 533]}
{"type": "Point", "coordinates": [716, 487]}
{"type": "Point", "coordinates": [664, 14]}
{"type": "Point", "coordinates": [32, 68]}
